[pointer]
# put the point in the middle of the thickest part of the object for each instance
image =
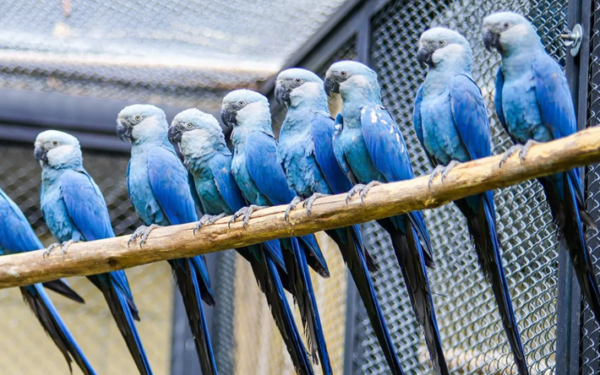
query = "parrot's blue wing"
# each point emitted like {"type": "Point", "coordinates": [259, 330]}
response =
{"type": "Point", "coordinates": [265, 171]}
{"type": "Point", "coordinates": [321, 131]}
{"type": "Point", "coordinates": [498, 99]}
{"type": "Point", "coordinates": [470, 116]}
{"type": "Point", "coordinates": [16, 235]}
{"type": "Point", "coordinates": [221, 169]}
{"type": "Point", "coordinates": [194, 193]}
{"type": "Point", "coordinates": [385, 143]}
{"type": "Point", "coordinates": [338, 151]}
{"type": "Point", "coordinates": [169, 181]}
{"type": "Point", "coordinates": [85, 205]}
{"type": "Point", "coordinates": [554, 97]}
{"type": "Point", "coordinates": [417, 123]}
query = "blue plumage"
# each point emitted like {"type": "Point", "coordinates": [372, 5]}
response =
{"type": "Point", "coordinates": [534, 104]}
{"type": "Point", "coordinates": [262, 182]}
{"type": "Point", "coordinates": [74, 210]}
{"type": "Point", "coordinates": [306, 152]}
{"type": "Point", "coordinates": [159, 189]}
{"type": "Point", "coordinates": [208, 161]}
{"type": "Point", "coordinates": [369, 147]}
{"type": "Point", "coordinates": [451, 122]}
{"type": "Point", "coordinates": [16, 236]}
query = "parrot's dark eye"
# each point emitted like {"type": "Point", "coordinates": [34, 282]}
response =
{"type": "Point", "coordinates": [241, 103]}
{"type": "Point", "coordinates": [189, 125]}
{"type": "Point", "coordinates": [506, 25]}
{"type": "Point", "coordinates": [344, 74]}
{"type": "Point", "coordinates": [298, 80]}
{"type": "Point", "coordinates": [55, 143]}
{"type": "Point", "coordinates": [137, 118]}
{"type": "Point", "coordinates": [442, 42]}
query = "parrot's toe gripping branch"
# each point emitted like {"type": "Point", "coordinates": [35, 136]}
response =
{"type": "Point", "coordinates": [142, 232]}
{"type": "Point", "coordinates": [362, 189]}
{"type": "Point", "coordinates": [50, 248]}
{"type": "Point", "coordinates": [246, 212]}
{"type": "Point", "coordinates": [290, 207]}
{"type": "Point", "coordinates": [309, 202]}
{"type": "Point", "coordinates": [522, 149]}
{"type": "Point", "coordinates": [207, 220]}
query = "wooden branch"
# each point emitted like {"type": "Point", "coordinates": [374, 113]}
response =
{"type": "Point", "coordinates": [386, 200]}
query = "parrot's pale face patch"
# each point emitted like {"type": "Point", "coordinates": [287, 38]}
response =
{"type": "Point", "coordinates": [306, 90]}
{"type": "Point", "coordinates": [255, 112]}
{"type": "Point", "coordinates": [452, 51]}
{"type": "Point", "coordinates": [148, 125]}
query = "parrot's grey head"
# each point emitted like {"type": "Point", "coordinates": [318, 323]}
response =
{"type": "Point", "coordinates": [507, 31]}
{"type": "Point", "coordinates": [294, 85]}
{"type": "Point", "coordinates": [349, 75]}
{"type": "Point", "coordinates": [440, 45]}
{"type": "Point", "coordinates": [245, 107]}
{"type": "Point", "coordinates": [193, 129]}
{"type": "Point", "coordinates": [139, 122]}
{"type": "Point", "coordinates": [56, 149]}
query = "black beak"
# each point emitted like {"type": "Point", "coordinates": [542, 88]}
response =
{"type": "Point", "coordinates": [124, 132]}
{"type": "Point", "coordinates": [424, 57]}
{"type": "Point", "coordinates": [331, 86]}
{"type": "Point", "coordinates": [491, 40]}
{"type": "Point", "coordinates": [40, 154]}
{"type": "Point", "coordinates": [175, 134]}
{"type": "Point", "coordinates": [282, 95]}
{"type": "Point", "coordinates": [228, 116]}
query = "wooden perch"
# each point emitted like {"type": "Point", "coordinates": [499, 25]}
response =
{"type": "Point", "coordinates": [386, 200]}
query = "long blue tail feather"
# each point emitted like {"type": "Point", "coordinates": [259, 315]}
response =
{"type": "Point", "coordinates": [37, 299]}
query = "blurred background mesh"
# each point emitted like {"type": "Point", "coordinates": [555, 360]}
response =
{"type": "Point", "coordinates": [191, 53]}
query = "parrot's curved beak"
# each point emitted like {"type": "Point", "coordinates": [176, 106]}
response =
{"type": "Point", "coordinates": [282, 95]}
{"type": "Point", "coordinates": [175, 134]}
{"type": "Point", "coordinates": [491, 40]}
{"type": "Point", "coordinates": [424, 57]}
{"type": "Point", "coordinates": [331, 86]}
{"type": "Point", "coordinates": [40, 154]}
{"type": "Point", "coordinates": [124, 132]}
{"type": "Point", "coordinates": [228, 116]}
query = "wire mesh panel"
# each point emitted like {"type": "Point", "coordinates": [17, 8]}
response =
{"type": "Point", "coordinates": [471, 329]}
{"type": "Point", "coordinates": [91, 324]}
{"type": "Point", "coordinates": [590, 333]}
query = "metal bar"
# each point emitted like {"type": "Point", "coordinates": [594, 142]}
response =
{"type": "Point", "coordinates": [569, 294]}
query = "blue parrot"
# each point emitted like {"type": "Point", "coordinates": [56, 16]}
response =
{"type": "Point", "coordinates": [74, 209]}
{"type": "Point", "coordinates": [17, 236]}
{"type": "Point", "coordinates": [306, 153]}
{"type": "Point", "coordinates": [451, 122]}
{"type": "Point", "coordinates": [534, 104]}
{"type": "Point", "coordinates": [262, 182]}
{"type": "Point", "coordinates": [159, 189]}
{"type": "Point", "coordinates": [370, 150]}
{"type": "Point", "coordinates": [208, 161]}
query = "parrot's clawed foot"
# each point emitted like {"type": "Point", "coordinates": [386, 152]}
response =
{"type": "Point", "coordinates": [142, 233]}
{"type": "Point", "coordinates": [65, 245]}
{"type": "Point", "coordinates": [246, 212]}
{"type": "Point", "coordinates": [290, 207]}
{"type": "Point", "coordinates": [207, 220]}
{"type": "Point", "coordinates": [50, 248]}
{"type": "Point", "coordinates": [355, 189]}
{"type": "Point", "coordinates": [309, 202]}
{"type": "Point", "coordinates": [522, 149]}
{"type": "Point", "coordinates": [448, 168]}
{"type": "Point", "coordinates": [525, 149]}
{"type": "Point", "coordinates": [436, 171]}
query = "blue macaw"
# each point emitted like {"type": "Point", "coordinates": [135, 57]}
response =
{"type": "Point", "coordinates": [370, 149]}
{"type": "Point", "coordinates": [534, 104]}
{"type": "Point", "coordinates": [262, 182]}
{"type": "Point", "coordinates": [159, 189]}
{"type": "Point", "coordinates": [74, 209]}
{"type": "Point", "coordinates": [17, 236]}
{"type": "Point", "coordinates": [306, 153]}
{"type": "Point", "coordinates": [451, 122]}
{"type": "Point", "coordinates": [208, 161]}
